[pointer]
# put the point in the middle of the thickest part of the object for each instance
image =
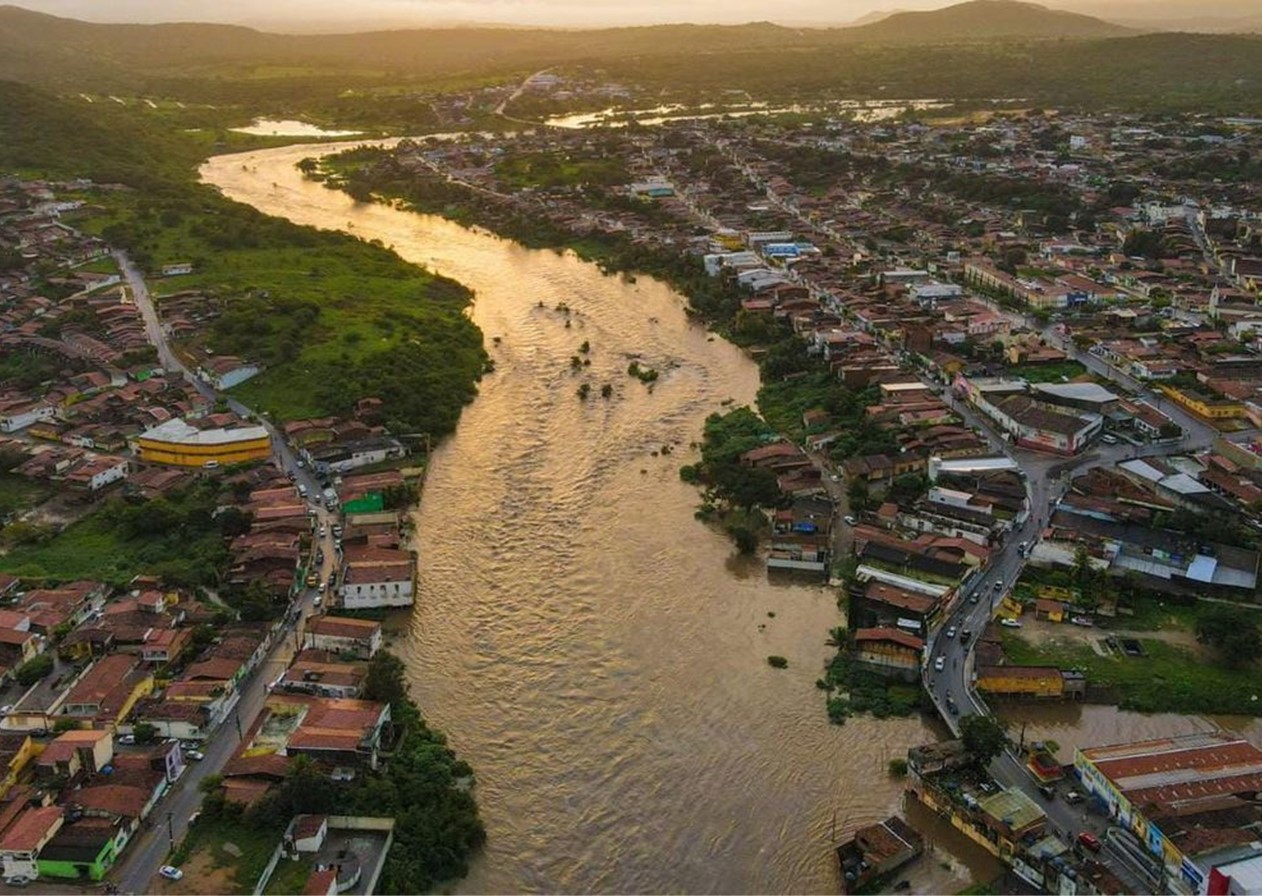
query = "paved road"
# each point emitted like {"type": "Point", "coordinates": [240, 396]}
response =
{"type": "Point", "coordinates": [169, 819]}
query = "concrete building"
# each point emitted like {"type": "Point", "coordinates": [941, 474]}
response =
{"type": "Point", "coordinates": [1151, 787]}
{"type": "Point", "coordinates": [180, 444]}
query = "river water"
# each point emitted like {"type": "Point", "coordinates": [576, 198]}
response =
{"type": "Point", "coordinates": [597, 654]}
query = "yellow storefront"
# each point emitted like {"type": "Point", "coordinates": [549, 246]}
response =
{"type": "Point", "coordinates": [179, 444]}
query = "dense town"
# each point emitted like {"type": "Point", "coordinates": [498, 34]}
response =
{"type": "Point", "coordinates": [117, 691]}
{"type": "Point", "coordinates": [1012, 400]}
{"type": "Point", "coordinates": [1044, 329]}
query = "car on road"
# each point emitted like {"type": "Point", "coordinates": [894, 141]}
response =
{"type": "Point", "coordinates": [952, 708]}
{"type": "Point", "coordinates": [850, 520]}
{"type": "Point", "coordinates": [127, 739]}
{"type": "Point", "coordinates": [170, 872]}
{"type": "Point", "coordinates": [950, 632]}
{"type": "Point", "coordinates": [965, 635]}
{"type": "Point", "coordinates": [312, 580]}
{"type": "Point", "coordinates": [1009, 623]}
{"type": "Point", "coordinates": [1048, 791]}
{"type": "Point", "coordinates": [17, 880]}
{"type": "Point", "coordinates": [195, 755]}
{"type": "Point", "coordinates": [320, 556]}
{"type": "Point", "coordinates": [1089, 840]}
{"type": "Point", "coordinates": [1073, 797]}
{"type": "Point", "coordinates": [337, 530]}
{"type": "Point", "coordinates": [939, 664]}
{"type": "Point", "coordinates": [999, 585]}
{"type": "Point", "coordinates": [973, 598]}
{"type": "Point", "coordinates": [1108, 439]}
{"type": "Point", "coordinates": [1084, 621]}
{"type": "Point", "coordinates": [324, 530]}
{"type": "Point", "coordinates": [318, 601]}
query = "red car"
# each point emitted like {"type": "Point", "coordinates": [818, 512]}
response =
{"type": "Point", "coordinates": [1090, 841]}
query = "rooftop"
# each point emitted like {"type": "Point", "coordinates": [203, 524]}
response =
{"type": "Point", "coordinates": [177, 431]}
{"type": "Point", "coordinates": [1180, 772]}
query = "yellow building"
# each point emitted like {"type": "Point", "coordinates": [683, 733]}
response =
{"type": "Point", "coordinates": [176, 442]}
{"type": "Point", "coordinates": [17, 749]}
{"type": "Point", "coordinates": [1205, 405]}
{"type": "Point", "coordinates": [1021, 681]}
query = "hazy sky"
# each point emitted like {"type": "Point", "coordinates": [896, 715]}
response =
{"type": "Point", "coordinates": [303, 15]}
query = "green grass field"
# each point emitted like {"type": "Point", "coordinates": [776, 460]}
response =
{"type": "Point", "coordinates": [1167, 679]}
{"type": "Point", "coordinates": [207, 845]}
{"type": "Point", "coordinates": [331, 319]}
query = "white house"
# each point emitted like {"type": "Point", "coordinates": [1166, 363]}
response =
{"type": "Point", "coordinates": [97, 472]}
{"type": "Point", "coordinates": [377, 577]}
{"type": "Point", "coordinates": [20, 416]}
{"type": "Point", "coordinates": [339, 634]}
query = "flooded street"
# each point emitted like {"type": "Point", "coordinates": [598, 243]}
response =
{"type": "Point", "coordinates": [597, 654]}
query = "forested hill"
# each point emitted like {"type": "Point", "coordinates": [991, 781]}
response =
{"type": "Point", "coordinates": [72, 138]}
{"type": "Point", "coordinates": [984, 20]}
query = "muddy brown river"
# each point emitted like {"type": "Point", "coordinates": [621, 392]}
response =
{"type": "Point", "coordinates": [597, 654]}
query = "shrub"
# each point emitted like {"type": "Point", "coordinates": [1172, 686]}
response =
{"type": "Point", "coordinates": [34, 669]}
{"type": "Point", "coordinates": [777, 662]}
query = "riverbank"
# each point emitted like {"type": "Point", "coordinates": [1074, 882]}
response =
{"type": "Point", "coordinates": [794, 383]}
{"type": "Point", "coordinates": [563, 595]}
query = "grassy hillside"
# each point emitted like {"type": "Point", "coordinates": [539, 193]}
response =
{"type": "Point", "coordinates": [975, 50]}
{"type": "Point", "coordinates": [333, 318]}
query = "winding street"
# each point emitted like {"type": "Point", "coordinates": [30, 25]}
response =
{"type": "Point", "coordinates": [170, 819]}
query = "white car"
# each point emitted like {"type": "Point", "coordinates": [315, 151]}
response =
{"type": "Point", "coordinates": [939, 664]}
{"type": "Point", "coordinates": [170, 872]}
{"type": "Point", "coordinates": [850, 520]}
{"type": "Point", "coordinates": [195, 755]}
{"type": "Point", "coordinates": [950, 633]}
{"type": "Point", "coordinates": [1009, 623]}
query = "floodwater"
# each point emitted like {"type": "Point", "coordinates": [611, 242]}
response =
{"type": "Point", "coordinates": [856, 110]}
{"type": "Point", "coordinates": [596, 653]}
{"type": "Point", "coordinates": [275, 127]}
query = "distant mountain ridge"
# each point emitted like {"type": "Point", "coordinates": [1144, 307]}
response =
{"type": "Point", "coordinates": [986, 20]}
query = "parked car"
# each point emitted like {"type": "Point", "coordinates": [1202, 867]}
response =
{"type": "Point", "coordinates": [195, 755]}
{"type": "Point", "coordinates": [1048, 791]}
{"type": "Point", "coordinates": [999, 585]}
{"type": "Point", "coordinates": [1108, 439]}
{"type": "Point", "coordinates": [170, 872]}
{"type": "Point", "coordinates": [320, 556]}
{"type": "Point", "coordinates": [939, 664]}
{"type": "Point", "coordinates": [1084, 621]}
{"type": "Point", "coordinates": [337, 530]}
{"type": "Point", "coordinates": [318, 601]}
{"type": "Point", "coordinates": [6, 709]}
{"type": "Point", "coordinates": [127, 739]}
{"type": "Point", "coordinates": [312, 580]}
{"type": "Point", "coordinates": [17, 880]}
{"type": "Point", "coordinates": [952, 708]}
{"type": "Point", "coordinates": [950, 632]}
{"type": "Point", "coordinates": [324, 530]}
{"type": "Point", "coordinates": [1073, 797]}
{"type": "Point", "coordinates": [973, 598]}
{"type": "Point", "coordinates": [850, 520]}
{"type": "Point", "coordinates": [1009, 623]}
{"type": "Point", "coordinates": [192, 819]}
{"type": "Point", "coordinates": [1089, 840]}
